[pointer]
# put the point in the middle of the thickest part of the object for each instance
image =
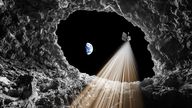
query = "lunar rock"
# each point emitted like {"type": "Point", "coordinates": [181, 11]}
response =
{"type": "Point", "coordinates": [33, 62]}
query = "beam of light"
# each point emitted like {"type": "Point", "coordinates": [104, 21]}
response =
{"type": "Point", "coordinates": [115, 86]}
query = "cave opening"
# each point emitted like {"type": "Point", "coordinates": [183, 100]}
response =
{"type": "Point", "coordinates": [103, 30]}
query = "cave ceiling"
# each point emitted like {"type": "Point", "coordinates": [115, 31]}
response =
{"type": "Point", "coordinates": [35, 72]}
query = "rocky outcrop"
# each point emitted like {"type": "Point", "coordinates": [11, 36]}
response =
{"type": "Point", "coordinates": [34, 71]}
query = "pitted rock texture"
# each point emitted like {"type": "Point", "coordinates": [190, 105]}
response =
{"type": "Point", "coordinates": [35, 73]}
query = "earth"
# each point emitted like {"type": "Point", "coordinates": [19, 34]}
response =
{"type": "Point", "coordinates": [88, 48]}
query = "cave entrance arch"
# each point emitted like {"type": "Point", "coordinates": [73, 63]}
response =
{"type": "Point", "coordinates": [103, 30]}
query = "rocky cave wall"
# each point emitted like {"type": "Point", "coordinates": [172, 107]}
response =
{"type": "Point", "coordinates": [34, 71]}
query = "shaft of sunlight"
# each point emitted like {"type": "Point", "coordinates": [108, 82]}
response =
{"type": "Point", "coordinates": [116, 85]}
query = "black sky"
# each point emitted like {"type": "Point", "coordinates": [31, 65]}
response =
{"type": "Point", "coordinates": [103, 30]}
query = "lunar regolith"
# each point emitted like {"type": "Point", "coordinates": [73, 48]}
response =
{"type": "Point", "coordinates": [35, 73]}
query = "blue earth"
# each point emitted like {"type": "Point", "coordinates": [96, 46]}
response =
{"type": "Point", "coordinates": [88, 48]}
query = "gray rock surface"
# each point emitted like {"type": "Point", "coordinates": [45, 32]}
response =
{"type": "Point", "coordinates": [35, 73]}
